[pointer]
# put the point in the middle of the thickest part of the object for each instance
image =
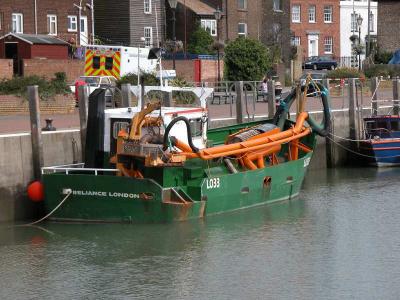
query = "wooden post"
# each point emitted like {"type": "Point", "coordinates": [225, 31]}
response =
{"type": "Point", "coordinates": [126, 95]}
{"type": "Point", "coordinates": [83, 94]}
{"type": "Point", "coordinates": [353, 124]}
{"type": "Point", "coordinates": [36, 132]}
{"type": "Point", "coordinates": [271, 99]}
{"type": "Point", "coordinates": [374, 91]}
{"type": "Point", "coordinates": [239, 100]}
{"type": "Point", "coordinates": [396, 92]}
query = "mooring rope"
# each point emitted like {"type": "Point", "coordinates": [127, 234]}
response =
{"type": "Point", "coordinates": [49, 214]}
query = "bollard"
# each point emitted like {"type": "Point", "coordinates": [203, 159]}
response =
{"type": "Point", "coordinates": [49, 125]}
{"type": "Point", "coordinates": [396, 100]}
{"type": "Point", "coordinates": [374, 90]}
{"type": "Point", "coordinates": [271, 99]}
{"type": "Point", "coordinates": [83, 114]}
{"type": "Point", "coordinates": [126, 95]}
{"type": "Point", "coordinates": [36, 133]}
{"type": "Point", "coordinates": [239, 100]}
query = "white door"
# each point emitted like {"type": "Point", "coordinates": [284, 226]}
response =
{"type": "Point", "coordinates": [84, 31]}
{"type": "Point", "coordinates": [312, 45]}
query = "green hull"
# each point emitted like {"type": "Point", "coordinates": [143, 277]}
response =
{"type": "Point", "coordinates": [105, 198]}
{"type": "Point", "coordinates": [194, 190]}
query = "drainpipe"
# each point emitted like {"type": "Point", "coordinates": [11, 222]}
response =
{"type": "Point", "coordinates": [35, 16]}
{"type": "Point", "coordinates": [226, 21]}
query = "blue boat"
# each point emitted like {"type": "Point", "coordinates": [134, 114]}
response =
{"type": "Point", "coordinates": [382, 140]}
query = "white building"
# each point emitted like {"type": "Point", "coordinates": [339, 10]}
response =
{"type": "Point", "coordinates": [349, 12]}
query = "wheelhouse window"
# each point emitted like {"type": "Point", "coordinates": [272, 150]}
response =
{"type": "Point", "coordinates": [147, 6]}
{"type": "Point", "coordinates": [328, 14]}
{"type": "Point", "coordinates": [210, 26]}
{"type": "Point", "coordinates": [148, 36]}
{"type": "Point", "coordinates": [52, 24]}
{"type": "Point", "coordinates": [72, 23]}
{"type": "Point", "coordinates": [296, 14]}
{"type": "Point", "coordinates": [328, 45]}
{"type": "Point", "coordinates": [17, 23]}
{"type": "Point", "coordinates": [242, 29]}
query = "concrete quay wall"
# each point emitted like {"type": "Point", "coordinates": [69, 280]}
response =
{"type": "Point", "coordinates": [59, 148]}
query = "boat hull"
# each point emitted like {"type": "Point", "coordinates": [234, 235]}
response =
{"type": "Point", "coordinates": [382, 153]}
{"type": "Point", "coordinates": [107, 198]}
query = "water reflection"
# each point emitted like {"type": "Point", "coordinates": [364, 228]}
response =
{"type": "Point", "coordinates": [339, 240]}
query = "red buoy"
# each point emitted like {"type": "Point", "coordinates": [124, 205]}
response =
{"type": "Point", "coordinates": [35, 191]}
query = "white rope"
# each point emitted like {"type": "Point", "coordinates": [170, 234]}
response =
{"type": "Point", "coordinates": [49, 214]}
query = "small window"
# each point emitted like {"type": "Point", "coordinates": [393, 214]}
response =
{"type": "Point", "coordinates": [328, 45]}
{"type": "Point", "coordinates": [147, 6]}
{"type": "Point", "coordinates": [72, 23]}
{"type": "Point", "coordinates": [277, 5]}
{"type": "Point", "coordinates": [96, 62]}
{"type": "Point", "coordinates": [311, 14]}
{"type": "Point", "coordinates": [1, 21]}
{"type": "Point", "coordinates": [296, 41]}
{"type": "Point", "coordinates": [371, 22]}
{"type": "Point", "coordinates": [382, 125]}
{"type": "Point", "coordinates": [296, 14]}
{"type": "Point", "coordinates": [148, 36]}
{"type": "Point", "coordinates": [328, 14]}
{"type": "Point", "coordinates": [52, 24]}
{"type": "Point", "coordinates": [109, 63]}
{"type": "Point", "coordinates": [394, 125]}
{"type": "Point", "coordinates": [242, 4]}
{"type": "Point", "coordinates": [354, 26]}
{"type": "Point", "coordinates": [17, 23]}
{"type": "Point", "coordinates": [196, 127]}
{"type": "Point", "coordinates": [242, 29]}
{"type": "Point", "coordinates": [210, 26]}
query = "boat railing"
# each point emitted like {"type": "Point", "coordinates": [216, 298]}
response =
{"type": "Point", "coordinates": [66, 169]}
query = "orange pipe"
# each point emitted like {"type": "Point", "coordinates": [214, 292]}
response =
{"type": "Point", "coordinates": [264, 152]}
{"type": "Point", "coordinates": [304, 148]}
{"type": "Point", "coordinates": [182, 146]}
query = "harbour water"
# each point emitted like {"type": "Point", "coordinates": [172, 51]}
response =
{"type": "Point", "coordinates": [339, 240]}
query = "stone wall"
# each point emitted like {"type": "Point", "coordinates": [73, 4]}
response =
{"type": "Point", "coordinates": [10, 104]}
{"type": "Point", "coordinates": [73, 68]}
{"type": "Point", "coordinates": [6, 69]}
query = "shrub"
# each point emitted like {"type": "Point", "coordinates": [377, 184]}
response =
{"type": "Point", "coordinates": [345, 73]}
{"type": "Point", "coordinates": [47, 88]}
{"type": "Point", "coordinates": [182, 97]}
{"type": "Point", "coordinates": [382, 70]}
{"type": "Point", "coordinates": [131, 78]}
{"type": "Point", "coordinates": [200, 42]}
{"type": "Point", "coordinates": [383, 57]}
{"type": "Point", "coordinates": [246, 59]}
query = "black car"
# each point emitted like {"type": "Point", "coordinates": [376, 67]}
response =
{"type": "Point", "coordinates": [320, 63]}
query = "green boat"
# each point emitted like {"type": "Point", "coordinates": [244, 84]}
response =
{"type": "Point", "coordinates": [162, 164]}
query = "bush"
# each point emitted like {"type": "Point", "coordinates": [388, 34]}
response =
{"type": "Point", "coordinates": [47, 88]}
{"type": "Point", "coordinates": [131, 78]}
{"type": "Point", "coordinates": [383, 70]}
{"type": "Point", "coordinates": [345, 73]}
{"type": "Point", "coordinates": [383, 57]}
{"type": "Point", "coordinates": [246, 59]}
{"type": "Point", "coordinates": [200, 42]}
{"type": "Point", "coordinates": [182, 97]}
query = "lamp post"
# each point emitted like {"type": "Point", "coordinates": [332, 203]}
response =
{"type": "Point", "coordinates": [79, 7]}
{"type": "Point", "coordinates": [218, 16]}
{"type": "Point", "coordinates": [173, 4]}
{"type": "Point", "coordinates": [91, 7]}
{"type": "Point", "coordinates": [359, 23]}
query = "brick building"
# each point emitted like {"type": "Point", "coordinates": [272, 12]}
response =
{"type": "Point", "coordinates": [56, 18]}
{"type": "Point", "coordinates": [388, 25]}
{"type": "Point", "coordinates": [315, 26]}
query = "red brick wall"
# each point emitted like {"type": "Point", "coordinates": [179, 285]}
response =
{"type": "Point", "coordinates": [324, 29]}
{"type": "Point", "coordinates": [47, 67]}
{"type": "Point", "coordinates": [186, 69]}
{"type": "Point", "coordinates": [6, 68]}
{"type": "Point", "coordinates": [49, 51]}
{"type": "Point", "coordinates": [44, 7]}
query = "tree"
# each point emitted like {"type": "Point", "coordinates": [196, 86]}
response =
{"type": "Point", "coordinates": [246, 59]}
{"type": "Point", "coordinates": [200, 42]}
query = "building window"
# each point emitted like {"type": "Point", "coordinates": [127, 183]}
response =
{"type": "Point", "coordinates": [210, 26]}
{"type": "Point", "coordinates": [328, 14]}
{"type": "Point", "coordinates": [148, 36]}
{"type": "Point", "coordinates": [17, 23]}
{"type": "Point", "coordinates": [277, 5]}
{"type": "Point", "coordinates": [371, 22]}
{"type": "Point", "coordinates": [242, 4]}
{"type": "Point", "coordinates": [72, 23]}
{"type": "Point", "coordinates": [1, 21]}
{"type": "Point", "coordinates": [52, 24]}
{"type": "Point", "coordinates": [147, 6]}
{"type": "Point", "coordinates": [311, 14]}
{"type": "Point", "coordinates": [296, 41]}
{"type": "Point", "coordinates": [354, 26]}
{"type": "Point", "coordinates": [328, 45]}
{"type": "Point", "coordinates": [296, 13]}
{"type": "Point", "coordinates": [242, 29]}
